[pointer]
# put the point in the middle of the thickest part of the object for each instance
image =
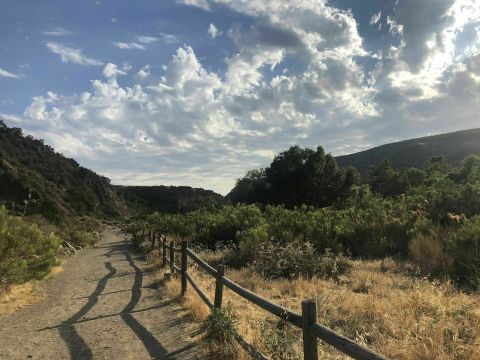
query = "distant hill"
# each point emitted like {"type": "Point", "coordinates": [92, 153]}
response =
{"type": "Point", "coordinates": [36, 179]}
{"type": "Point", "coordinates": [170, 199]}
{"type": "Point", "coordinates": [454, 146]}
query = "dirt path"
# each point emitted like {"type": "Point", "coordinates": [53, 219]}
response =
{"type": "Point", "coordinates": [104, 305]}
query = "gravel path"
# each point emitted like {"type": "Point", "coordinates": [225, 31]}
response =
{"type": "Point", "coordinates": [104, 305]}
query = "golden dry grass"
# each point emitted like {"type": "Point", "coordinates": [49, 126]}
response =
{"type": "Point", "coordinates": [18, 296]}
{"type": "Point", "coordinates": [400, 316]}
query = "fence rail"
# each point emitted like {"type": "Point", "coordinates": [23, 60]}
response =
{"type": "Point", "coordinates": [307, 321]}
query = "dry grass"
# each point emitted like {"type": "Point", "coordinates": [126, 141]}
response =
{"type": "Point", "coordinates": [18, 296]}
{"type": "Point", "coordinates": [400, 316]}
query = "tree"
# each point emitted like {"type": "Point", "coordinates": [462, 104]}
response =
{"type": "Point", "coordinates": [251, 188]}
{"type": "Point", "coordinates": [385, 180]}
{"type": "Point", "coordinates": [304, 176]}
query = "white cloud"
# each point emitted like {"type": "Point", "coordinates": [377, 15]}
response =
{"type": "Point", "coordinates": [144, 72]}
{"type": "Point", "coordinates": [129, 46]}
{"type": "Point", "coordinates": [203, 127]}
{"type": "Point", "coordinates": [71, 55]}
{"type": "Point", "coordinates": [8, 74]}
{"type": "Point", "coordinates": [147, 39]}
{"type": "Point", "coordinates": [375, 19]}
{"type": "Point", "coordinates": [213, 31]}
{"type": "Point", "coordinates": [111, 71]}
{"type": "Point", "coordinates": [203, 4]}
{"type": "Point", "coordinates": [170, 38]}
{"type": "Point", "coordinates": [57, 31]}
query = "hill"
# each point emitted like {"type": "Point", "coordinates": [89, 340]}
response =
{"type": "Point", "coordinates": [34, 179]}
{"type": "Point", "coordinates": [171, 199]}
{"type": "Point", "coordinates": [454, 146]}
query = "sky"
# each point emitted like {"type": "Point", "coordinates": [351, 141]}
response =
{"type": "Point", "coordinates": [197, 92]}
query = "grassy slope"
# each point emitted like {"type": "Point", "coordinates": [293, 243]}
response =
{"type": "Point", "coordinates": [378, 305]}
{"type": "Point", "coordinates": [454, 146]}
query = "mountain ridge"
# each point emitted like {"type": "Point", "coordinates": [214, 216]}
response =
{"type": "Point", "coordinates": [455, 146]}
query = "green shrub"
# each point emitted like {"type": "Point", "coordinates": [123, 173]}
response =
{"type": "Point", "coordinates": [25, 251]}
{"type": "Point", "coordinates": [279, 338]}
{"type": "Point", "coordinates": [296, 259]}
{"type": "Point", "coordinates": [465, 249]}
{"type": "Point", "coordinates": [221, 327]}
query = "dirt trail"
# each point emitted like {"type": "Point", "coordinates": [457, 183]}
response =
{"type": "Point", "coordinates": [104, 305]}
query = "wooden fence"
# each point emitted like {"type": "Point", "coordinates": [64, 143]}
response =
{"type": "Point", "coordinates": [307, 321]}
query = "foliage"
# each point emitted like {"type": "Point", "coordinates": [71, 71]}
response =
{"type": "Point", "coordinates": [279, 339]}
{"type": "Point", "coordinates": [299, 260]}
{"type": "Point", "coordinates": [221, 327]}
{"type": "Point", "coordinates": [295, 177]}
{"type": "Point", "coordinates": [25, 251]}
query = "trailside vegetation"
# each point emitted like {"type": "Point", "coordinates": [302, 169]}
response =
{"type": "Point", "coordinates": [428, 216]}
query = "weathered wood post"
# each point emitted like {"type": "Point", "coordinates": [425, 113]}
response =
{"type": "Point", "coordinates": [309, 317]}
{"type": "Point", "coordinates": [172, 257]}
{"type": "Point", "coordinates": [164, 253]}
{"type": "Point", "coordinates": [184, 266]}
{"type": "Point", "coordinates": [219, 287]}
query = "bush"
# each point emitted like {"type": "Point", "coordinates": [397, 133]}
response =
{"type": "Point", "coordinates": [25, 251]}
{"type": "Point", "coordinates": [221, 327]}
{"type": "Point", "coordinates": [295, 259]}
{"type": "Point", "coordinates": [465, 249]}
{"type": "Point", "coordinates": [279, 338]}
{"type": "Point", "coordinates": [428, 253]}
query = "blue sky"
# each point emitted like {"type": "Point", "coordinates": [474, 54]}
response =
{"type": "Point", "coordinates": [196, 92]}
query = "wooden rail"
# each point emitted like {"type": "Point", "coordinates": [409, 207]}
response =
{"type": "Point", "coordinates": [307, 321]}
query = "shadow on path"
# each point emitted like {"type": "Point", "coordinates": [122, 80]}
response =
{"type": "Point", "coordinates": [154, 348]}
{"type": "Point", "coordinates": [77, 347]}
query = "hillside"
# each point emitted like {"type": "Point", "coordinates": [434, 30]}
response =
{"type": "Point", "coordinates": [36, 179]}
{"type": "Point", "coordinates": [170, 199]}
{"type": "Point", "coordinates": [454, 146]}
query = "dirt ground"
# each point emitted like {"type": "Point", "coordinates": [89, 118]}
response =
{"type": "Point", "coordinates": [103, 305]}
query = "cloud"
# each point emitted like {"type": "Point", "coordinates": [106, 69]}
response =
{"type": "Point", "coordinates": [57, 31]}
{"type": "Point", "coordinates": [72, 55]}
{"type": "Point", "coordinates": [213, 31]}
{"type": "Point", "coordinates": [111, 71]}
{"type": "Point", "coordinates": [129, 46]}
{"type": "Point", "coordinates": [8, 74]}
{"type": "Point", "coordinates": [297, 75]}
{"type": "Point", "coordinates": [147, 39]}
{"type": "Point", "coordinates": [375, 19]}
{"type": "Point", "coordinates": [144, 72]}
{"type": "Point", "coordinates": [170, 38]}
{"type": "Point", "coordinates": [203, 4]}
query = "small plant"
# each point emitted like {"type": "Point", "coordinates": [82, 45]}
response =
{"type": "Point", "coordinates": [221, 327]}
{"type": "Point", "coordinates": [279, 338]}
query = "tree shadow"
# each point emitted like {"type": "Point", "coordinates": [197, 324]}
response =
{"type": "Point", "coordinates": [152, 345]}
{"type": "Point", "coordinates": [77, 347]}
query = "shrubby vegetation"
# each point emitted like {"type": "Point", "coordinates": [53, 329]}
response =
{"type": "Point", "coordinates": [25, 251]}
{"type": "Point", "coordinates": [427, 215]}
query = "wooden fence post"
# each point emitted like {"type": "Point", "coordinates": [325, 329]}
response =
{"type": "Point", "coordinates": [309, 317]}
{"type": "Point", "coordinates": [219, 287]}
{"type": "Point", "coordinates": [172, 257]}
{"type": "Point", "coordinates": [184, 266]}
{"type": "Point", "coordinates": [164, 253]}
